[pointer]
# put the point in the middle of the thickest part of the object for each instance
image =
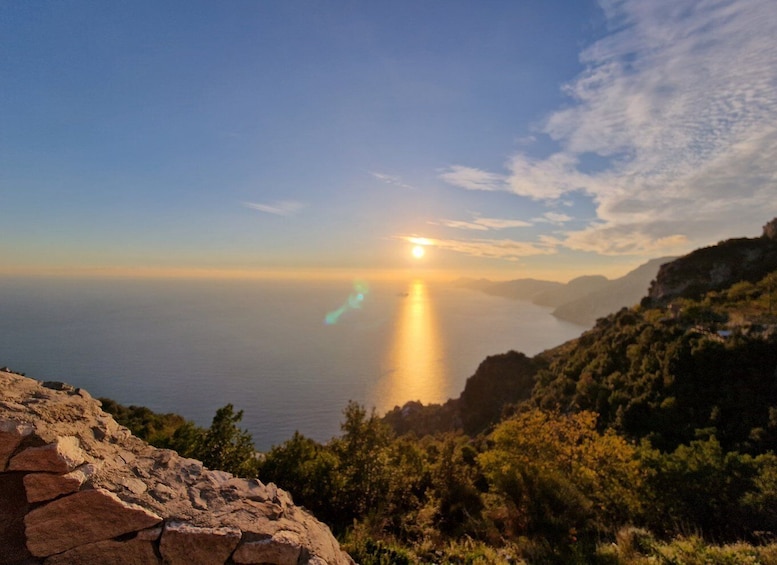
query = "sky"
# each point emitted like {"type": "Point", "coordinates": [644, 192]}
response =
{"type": "Point", "coordinates": [540, 138]}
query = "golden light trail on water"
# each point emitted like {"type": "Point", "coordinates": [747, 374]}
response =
{"type": "Point", "coordinates": [415, 358]}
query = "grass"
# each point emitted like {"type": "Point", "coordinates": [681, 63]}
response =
{"type": "Point", "coordinates": [635, 546]}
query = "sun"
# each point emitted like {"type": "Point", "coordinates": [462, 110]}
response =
{"type": "Point", "coordinates": [418, 251]}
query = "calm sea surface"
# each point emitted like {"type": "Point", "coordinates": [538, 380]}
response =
{"type": "Point", "coordinates": [264, 346]}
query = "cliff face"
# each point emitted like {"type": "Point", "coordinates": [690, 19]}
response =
{"type": "Point", "coordinates": [77, 488]}
{"type": "Point", "coordinates": [717, 267]}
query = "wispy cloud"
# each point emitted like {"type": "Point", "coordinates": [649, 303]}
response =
{"type": "Point", "coordinates": [483, 224]}
{"type": "Point", "coordinates": [553, 218]}
{"type": "Point", "coordinates": [506, 249]}
{"type": "Point", "coordinates": [461, 225]}
{"type": "Point", "coordinates": [392, 180]}
{"type": "Point", "coordinates": [680, 102]}
{"type": "Point", "coordinates": [282, 208]}
{"type": "Point", "coordinates": [473, 179]}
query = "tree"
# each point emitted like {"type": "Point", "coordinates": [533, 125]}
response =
{"type": "Point", "coordinates": [559, 476]}
{"type": "Point", "coordinates": [225, 446]}
{"type": "Point", "coordinates": [701, 486]}
{"type": "Point", "coordinates": [363, 455]}
{"type": "Point", "coordinates": [308, 470]}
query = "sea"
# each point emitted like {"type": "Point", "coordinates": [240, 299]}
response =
{"type": "Point", "coordinates": [289, 353]}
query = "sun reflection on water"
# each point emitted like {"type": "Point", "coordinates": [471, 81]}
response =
{"type": "Point", "coordinates": [415, 364]}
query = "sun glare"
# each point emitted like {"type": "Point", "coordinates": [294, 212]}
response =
{"type": "Point", "coordinates": [418, 251]}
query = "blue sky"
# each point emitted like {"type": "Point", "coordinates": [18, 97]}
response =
{"type": "Point", "coordinates": [513, 139]}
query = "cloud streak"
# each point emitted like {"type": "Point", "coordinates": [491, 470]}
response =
{"type": "Point", "coordinates": [483, 224]}
{"type": "Point", "coordinates": [392, 180]}
{"type": "Point", "coordinates": [473, 179]}
{"type": "Point", "coordinates": [680, 103]}
{"type": "Point", "coordinates": [282, 208]}
{"type": "Point", "coordinates": [505, 249]}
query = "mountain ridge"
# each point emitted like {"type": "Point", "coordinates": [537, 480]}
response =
{"type": "Point", "coordinates": [583, 299]}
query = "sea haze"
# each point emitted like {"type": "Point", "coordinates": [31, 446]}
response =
{"type": "Point", "coordinates": [193, 346]}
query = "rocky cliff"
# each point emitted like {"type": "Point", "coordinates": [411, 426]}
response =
{"type": "Point", "coordinates": [717, 267]}
{"type": "Point", "coordinates": [77, 488]}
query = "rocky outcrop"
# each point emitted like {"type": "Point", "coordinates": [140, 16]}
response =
{"type": "Point", "coordinates": [770, 230]}
{"type": "Point", "coordinates": [77, 488]}
{"type": "Point", "coordinates": [717, 267]}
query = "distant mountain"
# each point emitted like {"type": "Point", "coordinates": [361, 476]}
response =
{"type": "Point", "coordinates": [613, 295]}
{"type": "Point", "coordinates": [582, 300]}
{"type": "Point", "coordinates": [573, 290]}
{"type": "Point", "coordinates": [519, 289]}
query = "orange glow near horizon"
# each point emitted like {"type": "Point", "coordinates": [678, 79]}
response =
{"type": "Point", "coordinates": [562, 274]}
{"type": "Point", "coordinates": [415, 357]}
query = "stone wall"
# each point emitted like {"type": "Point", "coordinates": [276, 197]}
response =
{"type": "Point", "coordinates": [77, 488]}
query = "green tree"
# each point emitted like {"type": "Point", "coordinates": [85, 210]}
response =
{"type": "Point", "coordinates": [225, 446]}
{"type": "Point", "coordinates": [308, 470]}
{"type": "Point", "coordinates": [699, 486]}
{"type": "Point", "coordinates": [186, 440]}
{"type": "Point", "coordinates": [560, 477]}
{"type": "Point", "coordinates": [363, 454]}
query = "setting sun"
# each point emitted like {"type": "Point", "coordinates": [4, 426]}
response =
{"type": "Point", "coordinates": [418, 251]}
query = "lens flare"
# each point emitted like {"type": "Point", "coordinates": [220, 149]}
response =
{"type": "Point", "coordinates": [418, 251]}
{"type": "Point", "coordinates": [353, 302]}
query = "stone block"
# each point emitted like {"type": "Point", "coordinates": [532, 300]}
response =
{"type": "Point", "coordinates": [84, 517]}
{"type": "Point", "coordinates": [109, 552]}
{"type": "Point", "coordinates": [61, 456]}
{"type": "Point", "coordinates": [184, 544]}
{"type": "Point", "coordinates": [46, 486]}
{"type": "Point", "coordinates": [283, 548]}
{"type": "Point", "coordinates": [11, 435]}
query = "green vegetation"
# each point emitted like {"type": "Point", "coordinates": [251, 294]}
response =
{"type": "Point", "coordinates": [222, 446]}
{"type": "Point", "coordinates": [650, 439]}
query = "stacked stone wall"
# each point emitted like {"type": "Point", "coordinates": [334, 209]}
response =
{"type": "Point", "coordinates": [77, 488]}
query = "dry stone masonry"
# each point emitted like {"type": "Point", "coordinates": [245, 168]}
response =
{"type": "Point", "coordinates": [77, 488]}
